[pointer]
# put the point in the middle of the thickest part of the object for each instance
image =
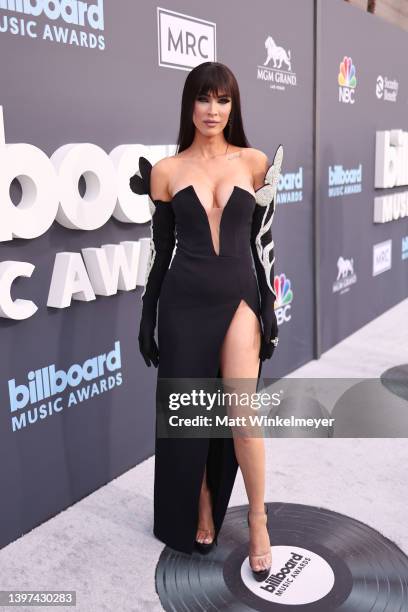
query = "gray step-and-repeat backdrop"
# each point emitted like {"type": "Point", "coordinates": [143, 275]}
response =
{"type": "Point", "coordinates": [83, 93]}
{"type": "Point", "coordinates": [362, 169]}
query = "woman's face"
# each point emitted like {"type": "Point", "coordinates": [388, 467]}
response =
{"type": "Point", "coordinates": [211, 113]}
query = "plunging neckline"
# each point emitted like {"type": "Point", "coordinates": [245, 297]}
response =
{"type": "Point", "coordinates": [235, 187]}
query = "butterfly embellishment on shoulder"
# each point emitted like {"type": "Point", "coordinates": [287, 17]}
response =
{"type": "Point", "coordinates": [265, 197]}
{"type": "Point", "coordinates": [265, 194]}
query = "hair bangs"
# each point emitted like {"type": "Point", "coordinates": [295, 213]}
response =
{"type": "Point", "coordinates": [215, 81]}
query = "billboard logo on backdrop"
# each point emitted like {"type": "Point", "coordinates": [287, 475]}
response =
{"type": "Point", "coordinates": [277, 67]}
{"type": "Point", "coordinates": [345, 275]}
{"type": "Point", "coordinates": [290, 187]}
{"type": "Point", "coordinates": [386, 89]}
{"type": "Point", "coordinates": [382, 257]}
{"type": "Point", "coordinates": [48, 391]}
{"type": "Point", "coordinates": [72, 12]}
{"type": "Point", "coordinates": [347, 81]}
{"type": "Point", "coordinates": [284, 298]}
{"type": "Point", "coordinates": [184, 41]}
{"type": "Point", "coordinates": [344, 182]}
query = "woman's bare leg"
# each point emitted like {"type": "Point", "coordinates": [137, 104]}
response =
{"type": "Point", "coordinates": [240, 360]}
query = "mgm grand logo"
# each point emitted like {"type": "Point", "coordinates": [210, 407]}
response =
{"type": "Point", "coordinates": [345, 275]}
{"type": "Point", "coordinates": [277, 67]}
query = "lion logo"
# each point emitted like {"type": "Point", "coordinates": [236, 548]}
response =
{"type": "Point", "coordinates": [277, 54]}
{"type": "Point", "coordinates": [344, 267]}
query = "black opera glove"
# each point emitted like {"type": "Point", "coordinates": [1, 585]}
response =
{"type": "Point", "coordinates": [162, 243]}
{"type": "Point", "coordinates": [262, 247]}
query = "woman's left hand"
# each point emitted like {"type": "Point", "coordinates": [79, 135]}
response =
{"type": "Point", "coordinates": [268, 347]}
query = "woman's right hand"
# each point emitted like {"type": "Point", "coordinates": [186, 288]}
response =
{"type": "Point", "coordinates": [147, 343]}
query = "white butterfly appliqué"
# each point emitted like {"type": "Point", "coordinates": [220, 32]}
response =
{"type": "Point", "coordinates": [265, 196]}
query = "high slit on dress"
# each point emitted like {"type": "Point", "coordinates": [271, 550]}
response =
{"type": "Point", "coordinates": [200, 294]}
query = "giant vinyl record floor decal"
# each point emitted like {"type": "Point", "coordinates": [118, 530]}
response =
{"type": "Point", "coordinates": [322, 561]}
{"type": "Point", "coordinates": [396, 380]}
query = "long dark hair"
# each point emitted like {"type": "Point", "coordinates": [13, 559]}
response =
{"type": "Point", "coordinates": [210, 77]}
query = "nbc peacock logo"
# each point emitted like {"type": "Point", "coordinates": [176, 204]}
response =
{"type": "Point", "coordinates": [347, 80]}
{"type": "Point", "coordinates": [284, 298]}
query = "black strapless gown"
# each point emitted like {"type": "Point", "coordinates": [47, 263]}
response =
{"type": "Point", "coordinates": [199, 296]}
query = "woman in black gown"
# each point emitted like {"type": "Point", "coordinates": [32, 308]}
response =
{"type": "Point", "coordinates": [212, 266]}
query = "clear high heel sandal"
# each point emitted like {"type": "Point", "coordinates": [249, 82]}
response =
{"type": "Point", "coordinates": [261, 574]}
{"type": "Point", "coordinates": [205, 547]}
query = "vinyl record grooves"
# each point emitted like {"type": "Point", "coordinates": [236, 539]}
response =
{"type": "Point", "coordinates": [396, 380]}
{"type": "Point", "coordinates": [323, 561]}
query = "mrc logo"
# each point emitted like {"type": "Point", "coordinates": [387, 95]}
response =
{"type": "Point", "coordinates": [184, 41]}
{"type": "Point", "coordinates": [284, 298]}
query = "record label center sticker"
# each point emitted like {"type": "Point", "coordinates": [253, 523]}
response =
{"type": "Point", "coordinates": [298, 576]}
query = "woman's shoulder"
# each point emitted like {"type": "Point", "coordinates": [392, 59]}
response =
{"type": "Point", "coordinates": [256, 156]}
{"type": "Point", "coordinates": [159, 179]}
{"type": "Point", "coordinates": [258, 163]}
{"type": "Point", "coordinates": [162, 165]}
{"type": "Point", "coordinates": [165, 166]}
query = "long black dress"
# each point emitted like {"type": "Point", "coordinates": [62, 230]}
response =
{"type": "Point", "coordinates": [200, 291]}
